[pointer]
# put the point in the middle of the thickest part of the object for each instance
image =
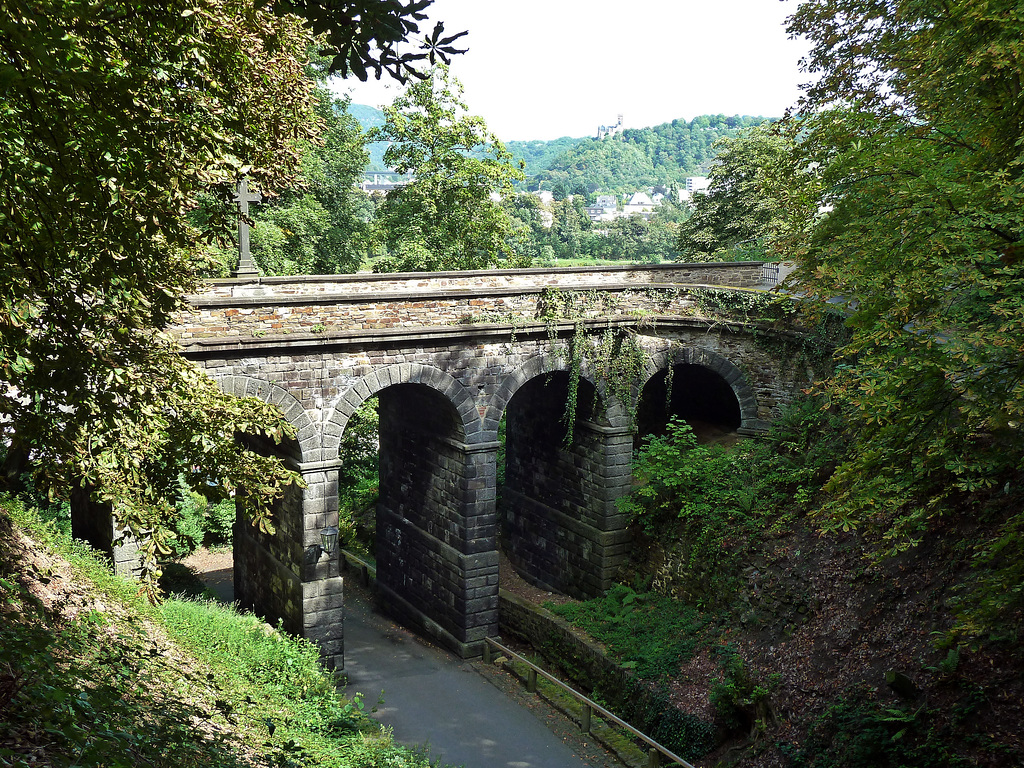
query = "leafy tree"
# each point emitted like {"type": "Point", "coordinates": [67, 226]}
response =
{"type": "Point", "coordinates": [538, 155]}
{"type": "Point", "coordinates": [749, 201]}
{"type": "Point", "coordinates": [365, 36]}
{"type": "Point", "coordinates": [529, 230]}
{"type": "Point", "coordinates": [445, 218]}
{"type": "Point", "coordinates": [923, 169]}
{"type": "Point", "coordinates": [114, 117]}
{"type": "Point", "coordinates": [570, 221]}
{"type": "Point", "coordinates": [322, 227]}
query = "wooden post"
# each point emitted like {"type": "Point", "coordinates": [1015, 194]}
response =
{"type": "Point", "coordinates": [653, 758]}
{"type": "Point", "coordinates": [487, 652]}
{"type": "Point", "coordinates": [585, 718]}
{"type": "Point", "coordinates": [531, 680]}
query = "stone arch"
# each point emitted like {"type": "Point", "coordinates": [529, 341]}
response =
{"type": "Point", "coordinates": [615, 411]}
{"type": "Point", "coordinates": [560, 527]}
{"type": "Point", "coordinates": [746, 398]}
{"type": "Point", "coordinates": [404, 373]}
{"type": "Point", "coordinates": [307, 435]}
{"type": "Point", "coordinates": [436, 564]}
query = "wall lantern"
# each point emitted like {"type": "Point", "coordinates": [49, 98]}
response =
{"type": "Point", "coordinates": [329, 540]}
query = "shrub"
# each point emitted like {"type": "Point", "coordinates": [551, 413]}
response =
{"type": "Point", "coordinates": [859, 732]}
{"type": "Point", "coordinates": [220, 521]}
{"type": "Point", "coordinates": [650, 633]}
{"type": "Point", "coordinates": [695, 500]}
{"type": "Point", "coordinates": [189, 520]}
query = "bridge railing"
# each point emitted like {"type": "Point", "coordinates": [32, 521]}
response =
{"type": "Point", "coordinates": [587, 706]}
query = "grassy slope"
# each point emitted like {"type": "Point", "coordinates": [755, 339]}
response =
{"type": "Point", "coordinates": [91, 675]}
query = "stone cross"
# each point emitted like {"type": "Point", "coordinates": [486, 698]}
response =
{"type": "Point", "coordinates": [243, 197]}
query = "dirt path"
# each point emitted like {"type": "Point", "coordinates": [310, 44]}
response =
{"type": "Point", "coordinates": [216, 569]}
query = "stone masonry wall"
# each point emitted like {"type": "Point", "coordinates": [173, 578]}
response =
{"type": "Point", "coordinates": [556, 526]}
{"type": "Point", "coordinates": [735, 274]}
{"type": "Point", "coordinates": [443, 390]}
{"type": "Point", "coordinates": [340, 303]}
{"type": "Point", "coordinates": [428, 565]}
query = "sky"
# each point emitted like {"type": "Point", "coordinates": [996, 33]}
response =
{"type": "Point", "coordinates": [542, 69]}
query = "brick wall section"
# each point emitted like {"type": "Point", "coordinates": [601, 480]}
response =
{"type": "Point", "coordinates": [338, 303]}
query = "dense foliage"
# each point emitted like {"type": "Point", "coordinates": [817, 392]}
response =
{"type": "Point", "coordinates": [537, 156]}
{"type": "Point", "coordinates": [368, 36]}
{"type": "Point", "coordinates": [323, 226]}
{"type": "Point", "coordinates": [114, 118]}
{"type": "Point", "coordinates": [914, 125]}
{"type": "Point", "coordinates": [640, 157]}
{"type": "Point", "coordinates": [757, 192]}
{"type": "Point", "coordinates": [91, 675]}
{"type": "Point", "coordinates": [446, 217]}
{"type": "Point", "coordinates": [359, 479]}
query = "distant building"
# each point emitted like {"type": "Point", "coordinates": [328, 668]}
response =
{"type": "Point", "coordinates": [609, 130]}
{"type": "Point", "coordinates": [697, 184]}
{"type": "Point", "coordinates": [639, 204]}
{"type": "Point", "coordinates": [381, 184]}
{"type": "Point", "coordinates": [605, 208]}
{"type": "Point", "coordinates": [597, 213]}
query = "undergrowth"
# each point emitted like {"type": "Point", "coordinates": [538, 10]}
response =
{"type": "Point", "coordinates": [649, 633]}
{"type": "Point", "coordinates": [103, 678]}
{"type": "Point", "coordinates": [858, 732]}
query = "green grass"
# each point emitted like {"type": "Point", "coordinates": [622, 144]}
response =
{"type": "Point", "coordinates": [647, 632]}
{"type": "Point", "coordinates": [185, 683]}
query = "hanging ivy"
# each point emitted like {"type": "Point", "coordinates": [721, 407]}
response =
{"type": "Point", "coordinates": [615, 357]}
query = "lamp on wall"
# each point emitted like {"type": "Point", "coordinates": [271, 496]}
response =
{"type": "Point", "coordinates": [329, 540]}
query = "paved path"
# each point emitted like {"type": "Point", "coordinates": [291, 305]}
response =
{"type": "Point", "coordinates": [434, 699]}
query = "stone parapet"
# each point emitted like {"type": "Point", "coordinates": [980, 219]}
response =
{"type": "Point", "coordinates": [738, 274]}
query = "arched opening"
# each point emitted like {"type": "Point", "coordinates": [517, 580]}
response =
{"type": "Point", "coordinates": [428, 541]}
{"type": "Point", "coordinates": [548, 496]}
{"type": "Point", "coordinates": [359, 482]}
{"type": "Point", "coordinates": [417, 426]}
{"type": "Point", "coordinates": [698, 395]}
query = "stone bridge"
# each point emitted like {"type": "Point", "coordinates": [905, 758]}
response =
{"type": "Point", "coordinates": [449, 356]}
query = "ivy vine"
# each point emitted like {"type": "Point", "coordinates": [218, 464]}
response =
{"type": "Point", "coordinates": [615, 357]}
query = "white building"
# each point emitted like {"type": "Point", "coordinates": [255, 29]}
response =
{"type": "Point", "coordinates": [697, 184]}
{"type": "Point", "coordinates": [640, 204]}
{"type": "Point", "coordinates": [609, 130]}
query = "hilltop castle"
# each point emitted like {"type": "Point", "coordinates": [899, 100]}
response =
{"type": "Point", "coordinates": [610, 130]}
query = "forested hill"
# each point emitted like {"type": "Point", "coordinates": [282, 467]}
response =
{"type": "Point", "coordinates": [370, 117]}
{"type": "Point", "coordinates": [639, 157]}
{"type": "Point", "coordinates": [634, 159]}
{"type": "Point", "coordinates": [540, 155]}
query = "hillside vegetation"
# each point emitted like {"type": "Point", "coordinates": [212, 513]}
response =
{"type": "Point", "coordinates": [636, 158]}
{"type": "Point", "coordinates": [771, 644]}
{"type": "Point", "coordinates": [641, 157]}
{"type": "Point", "coordinates": [92, 675]}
